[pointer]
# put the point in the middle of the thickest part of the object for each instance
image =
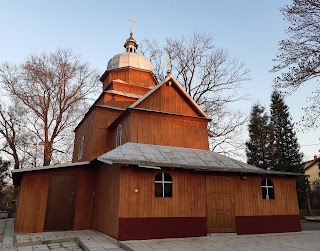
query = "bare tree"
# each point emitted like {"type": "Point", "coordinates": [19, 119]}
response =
{"type": "Point", "coordinates": [298, 58]}
{"type": "Point", "coordinates": [211, 77]}
{"type": "Point", "coordinates": [10, 127]}
{"type": "Point", "coordinates": [53, 88]}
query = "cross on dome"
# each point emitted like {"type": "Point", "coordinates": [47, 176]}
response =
{"type": "Point", "coordinates": [131, 44]}
{"type": "Point", "coordinates": [168, 59]}
{"type": "Point", "coordinates": [132, 21]}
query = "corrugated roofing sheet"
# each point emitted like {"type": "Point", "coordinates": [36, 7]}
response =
{"type": "Point", "coordinates": [179, 157]}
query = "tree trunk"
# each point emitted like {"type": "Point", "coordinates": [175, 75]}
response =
{"type": "Point", "coordinates": [309, 204]}
{"type": "Point", "coordinates": [16, 160]}
{"type": "Point", "coordinates": [47, 153]}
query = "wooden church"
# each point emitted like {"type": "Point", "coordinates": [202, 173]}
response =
{"type": "Point", "coordinates": [142, 169]}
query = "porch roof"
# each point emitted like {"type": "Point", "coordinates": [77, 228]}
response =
{"type": "Point", "coordinates": [157, 156]}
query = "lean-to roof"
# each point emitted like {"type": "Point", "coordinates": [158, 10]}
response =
{"type": "Point", "coordinates": [157, 156]}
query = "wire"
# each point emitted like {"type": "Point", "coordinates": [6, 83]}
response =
{"type": "Point", "coordinates": [311, 144]}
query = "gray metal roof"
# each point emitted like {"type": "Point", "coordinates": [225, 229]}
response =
{"type": "Point", "coordinates": [22, 170]}
{"type": "Point", "coordinates": [126, 59]}
{"type": "Point", "coordinates": [157, 156]}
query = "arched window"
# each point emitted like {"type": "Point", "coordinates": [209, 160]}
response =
{"type": "Point", "coordinates": [163, 185]}
{"type": "Point", "coordinates": [81, 148]}
{"type": "Point", "coordinates": [119, 135]}
{"type": "Point", "coordinates": [267, 189]}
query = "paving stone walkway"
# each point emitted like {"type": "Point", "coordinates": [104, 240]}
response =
{"type": "Point", "coordinates": [85, 240]}
{"type": "Point", "coordinates": [88, 240]}
{"type": "Point", "coordinates": [307, 240]}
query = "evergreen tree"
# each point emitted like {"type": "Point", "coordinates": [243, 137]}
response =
{"type": "Point", "coordinates": [259, 147]}
{"type": "Point", "coordinates": [4, 174]}
{"type": "Point", "coordinates": [287, 156]}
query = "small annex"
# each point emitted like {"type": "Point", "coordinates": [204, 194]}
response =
{"type": "Point", "coordinates": [142, 169]}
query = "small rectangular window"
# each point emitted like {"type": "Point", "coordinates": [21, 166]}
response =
{"type": "Point", "coordinates": [158, 190]}
{"type": "Point", "coordinates": [264, 193]}
{"type": "Point", "coordinates": [163, 185]}
{"type": "Point", "coordinates": [267, 189]}
{"type": "Point", "coordinates": [168, 190]}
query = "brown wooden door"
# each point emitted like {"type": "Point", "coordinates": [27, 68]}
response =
{"type": "Point", "coordinates": [61, 201]}
{"type": "Point", "coordinates": [220, 204]}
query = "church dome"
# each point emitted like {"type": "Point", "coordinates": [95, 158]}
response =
{"type": "Point", "coordinates": [130, 58]}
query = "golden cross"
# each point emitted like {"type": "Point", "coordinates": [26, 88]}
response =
{"type": "Point", "coordinates": [132, 21]}
{"type": "Point", "coordinates": [168, 59]}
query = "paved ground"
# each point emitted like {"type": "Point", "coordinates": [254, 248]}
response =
{"type": "Point", "coordinates": [88, 240]}
{"type": "Point", "coordinates": [310, 225]}
{"type": "Point", "coordinates": [85, 240]}
{"type": "Point", "coordinates": [307, 240]}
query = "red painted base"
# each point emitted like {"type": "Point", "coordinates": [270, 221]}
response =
{"type": "Point", "coordinates": [267, 224]}
{"type": "Point", "coordinates": [162, 227]}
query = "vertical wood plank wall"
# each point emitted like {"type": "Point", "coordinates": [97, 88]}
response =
{"type": "Point", "coordinates": [105, 212]}
{"type": "Point", "coordinates": [97, 137]}
{"type": "Point", "coordinates": [249, 202]}
{"type": "Point", "coordinates": [169, 99]}
{"type": "Point", "coordinates": [189, 195]}
{"type": "Point", "coordinates": [131, 76]}
{"type": "Point", "coordinates": [166, 130]}
{"type": "Point", "coordinates": [188, 198]}
{"type": "Point", "coordinates": [31, 209]}
{"type": "Point", "coordinates": [128, 88]}
{"type": "Point", "coordinates": [118, 100]}
{"type": "Point", "coordinates": [85, 129]}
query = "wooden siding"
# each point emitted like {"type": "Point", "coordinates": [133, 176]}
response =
{"type": "Point", "coordinates": [33, 196]}
{"type": "Point", "coordinates": [85, 129]}
{"type": "Point", "coordinates": [118, 100]}
{"type": "Point", "coordinates": [97, 137]}
{"type": "Point", "coordinates": [189, 195]}
{"type": "Point", "coordinates": [161, 129]}
{"type": "Point", "coordinates": [188, 199]}
{"type": "Point", "coordinates": [105, 212]}
{"type": "Point", "coordinates": [249, 202]}
{"type": "Point", "coordinates": [170, 99]}
{"type": "Point", "coordinates": [131, 76]}
{"type": "Point", "coordinates": [118, 86]}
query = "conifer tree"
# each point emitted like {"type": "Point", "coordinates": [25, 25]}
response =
{"type": "Point", "coordinates": [4, 174]}
{"type": "Point", "coordinates": [287, 156]}
{"type": "Point", "coordinates": [259, 147]}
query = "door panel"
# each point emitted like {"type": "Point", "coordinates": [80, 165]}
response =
{"type": "Point", "coordinates": [220, 204]}
{"type": "Point", "coordinates": [61, 201]}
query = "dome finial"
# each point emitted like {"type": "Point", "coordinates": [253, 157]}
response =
{"type": "Point", "coordinates": [131, 44]}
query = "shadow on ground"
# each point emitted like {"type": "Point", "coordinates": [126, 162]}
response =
{"type": "Point", "coordinates": [310, 225]}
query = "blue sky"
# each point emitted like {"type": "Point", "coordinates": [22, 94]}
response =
{"type": "Point", "coordinates": [249, 29]}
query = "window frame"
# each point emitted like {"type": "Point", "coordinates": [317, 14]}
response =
{"type": "Point", "coordinates": [119, 135]}
{"type": "Point", "coordinates": [163, 182]}
{"type": "Point", "coordinates": [267, 188]}
{"type": "Point", "coordinates": [81, 149]}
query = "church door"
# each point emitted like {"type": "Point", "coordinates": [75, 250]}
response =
{"type": "Point", "coordinates": [220, 204]}
{"type": "Point", "coordinates": [61, 201]}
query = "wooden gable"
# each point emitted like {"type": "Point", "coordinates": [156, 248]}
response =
{"type": "Point", "coordinates": [169, 97]}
